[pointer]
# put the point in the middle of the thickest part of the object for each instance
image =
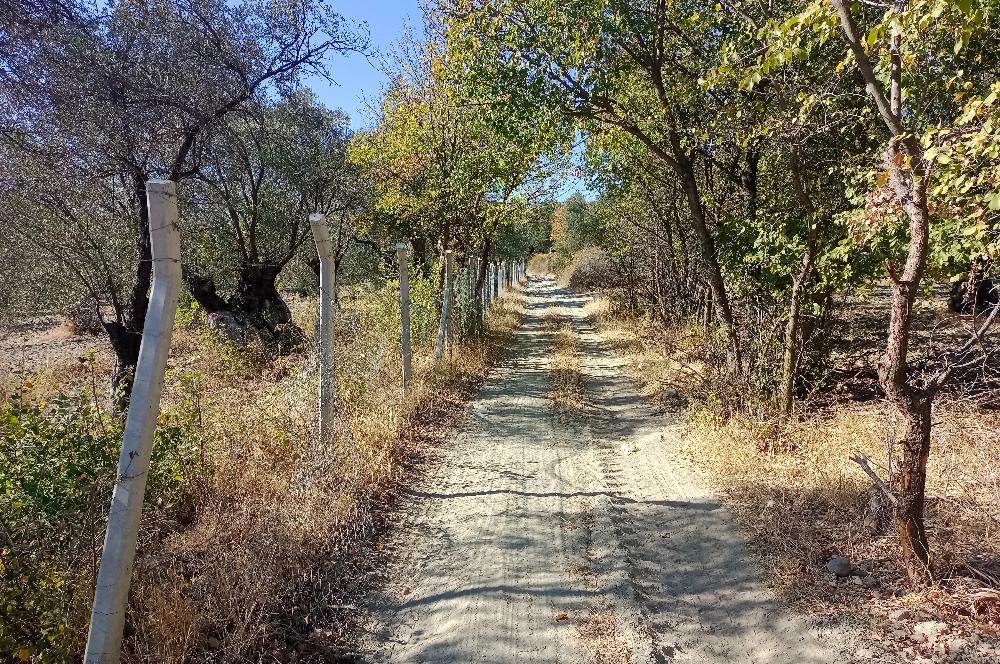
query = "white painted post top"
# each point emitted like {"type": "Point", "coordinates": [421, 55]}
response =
{"type": "Point", "coordinates": [160, 185]}
{"type": "Point", "coordinates": [321, 234]}
{"type": "Point", "coordinates": [164, 239]}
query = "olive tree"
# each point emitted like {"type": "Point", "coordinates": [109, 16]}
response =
{"type": "Point", "coordinates": [267, 168]}
{"type": "Point", "coordinates": [100, 99]}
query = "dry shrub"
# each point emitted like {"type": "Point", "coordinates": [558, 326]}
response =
{"type": "Point", "coordinates": [589, 269]}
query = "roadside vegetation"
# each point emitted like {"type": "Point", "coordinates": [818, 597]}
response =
{"type": "Point", "coordinates": [791, 215]}
{"type": "Point", "coordinates": [802, 499]}
{"type": "Point", "coordinates": [250, 527]}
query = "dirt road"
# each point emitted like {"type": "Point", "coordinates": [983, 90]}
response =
{"type": "Point", "coordinates": [575, 537]}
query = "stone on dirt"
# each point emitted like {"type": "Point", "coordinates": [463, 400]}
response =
{"type": "Point", "coordinates": [839, 566]}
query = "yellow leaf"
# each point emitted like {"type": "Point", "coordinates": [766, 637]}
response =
{"type": "Point", "coordinates": [562, 615]}
{"type": "Point", "coordinates": [882, 178]}
{"type": "Point", "coordinates": [24, 654]}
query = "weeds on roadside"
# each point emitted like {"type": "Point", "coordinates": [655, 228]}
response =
{"type": "Point", "coordinates": [250, 527]}
{"type": "Point", "coordinates": [58, 460]}
{"type": "Point", "coordinates": [800, 498]}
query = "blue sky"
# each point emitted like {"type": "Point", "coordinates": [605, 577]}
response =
{"type": "Point", "coordinates": [356, 78]}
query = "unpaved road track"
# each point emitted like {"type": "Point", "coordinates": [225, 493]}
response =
{"type": "Point", "coordinates": [593, 514]}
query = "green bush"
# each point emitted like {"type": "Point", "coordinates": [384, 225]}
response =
{"type": "Point", "coordinates": [57, 466]}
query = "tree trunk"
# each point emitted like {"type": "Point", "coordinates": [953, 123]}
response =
{"type": "Point", "coordinates": [792, 337]}
{"type": "Point", "coordinates": [720, 296]}
{"type": "Point", "coordinates": [916, 447]}
{"type": "Point", "coordinates": [125, 333]}
{"type": "Point", "coordinates": [420, 255]}
{"type": "Point", "coordinates": [203, 291]}
{"type": "Point", "coordinates": [672, 265]}
{"type": "Point", "coordinates": [793, 330]}
{"type": "Point", "coordinates": [912, 401]}
{"type": "Point", "coordinates": [484, 258]}
{"type": "Point", "coordinates": [125, 342]}
{"type": "Point", "coordinates": [257, 296]}
{"type": "Point", "coordinates": [909, 180]}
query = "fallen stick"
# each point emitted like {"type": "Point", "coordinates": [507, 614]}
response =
{"type": "Point", "coordinates": [862, 461]}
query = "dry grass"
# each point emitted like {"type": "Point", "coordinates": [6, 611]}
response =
{"type": "Point", "coordinates": [567, 391]}
{"type": "Point", "coordinates": [603, 637]}
{"type": "Point", "coordinates": [802, 475]}
{"type": "Point", "coordinates": [662, 360]}
{"type": "Point", "coordinates": [544, 264]}
{"type": "Point", "coordinates": [260, 565]}
{"type": "Point", "coordinates": [800, 499]}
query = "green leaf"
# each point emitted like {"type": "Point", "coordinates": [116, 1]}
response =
{"type": "Point", "coordinates": [872, 37]}
{"type": "Point", "coordinates": [963, 40]}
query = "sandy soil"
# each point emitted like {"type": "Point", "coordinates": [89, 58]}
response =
{"type": "Point", "coordinates": [580, 537]}
{"type": "Point", "coordinates": [44, 342]}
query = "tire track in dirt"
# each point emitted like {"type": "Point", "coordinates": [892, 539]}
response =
{"type": "Point", "coordinates": [592, 514]}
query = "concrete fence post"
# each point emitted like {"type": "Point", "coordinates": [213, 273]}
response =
{"type": "Point", "coordinates": [481, 294]}
{"type": "Point", "coordinates": [324, 333]}
{"type": "Point", "coordinates": [486, 291]}
{"type": "Point", "coordinates": [455, 331]}
{"type": "Point", "coordinates": [488, 285]}
{"type": "Point", "coordinates": [404, 313]}
{"type": "Point", "coordinates": [442, 338]}
{"type": "Point", "coordinates": [107, 618]}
